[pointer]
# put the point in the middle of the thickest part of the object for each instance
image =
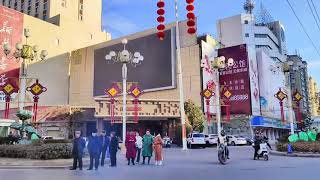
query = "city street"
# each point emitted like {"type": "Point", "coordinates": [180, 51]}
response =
{"type": "Point", "coordinates": [193, 164]}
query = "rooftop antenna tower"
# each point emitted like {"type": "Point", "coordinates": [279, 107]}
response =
{"type": "Point", "coordinates": [263, 17]}
{"type": "Point", "coordinates": [249, 6]}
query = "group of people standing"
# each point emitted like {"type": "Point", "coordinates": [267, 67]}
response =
{"type": "Point", "coordinates": [100, 147]}
{"type": "Point", "coordinates": [137, 146]}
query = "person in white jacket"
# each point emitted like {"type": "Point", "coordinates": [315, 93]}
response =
{"type": "Point", "coordinates": [138, 146]}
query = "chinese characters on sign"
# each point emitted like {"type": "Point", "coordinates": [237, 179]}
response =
{"type": "Point", "coordinates": [11, 28]}
{"type": "Point", "coordinates": [236, 79]}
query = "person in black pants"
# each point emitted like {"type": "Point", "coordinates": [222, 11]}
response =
{"type": "Point", "coordinates": [104, 141]}
{"type": "Point", "coordinates": [94, 148]}
{"type": "Point", "coordinates": [113, 148]}
{"type": "Point", "coordinates": [77, 150]}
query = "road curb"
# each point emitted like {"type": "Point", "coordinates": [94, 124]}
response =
{"type": "Point", "coordinates": [277, 153]}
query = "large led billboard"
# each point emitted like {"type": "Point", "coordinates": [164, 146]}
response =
{"type": "Point", "coordinates": [157, 71]}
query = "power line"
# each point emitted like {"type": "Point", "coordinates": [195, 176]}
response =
{"type": "Point", "coordinates": [315, 9]}
{"type": "Point", "coordinates": [313, 14]}
{"type": "Point", "coordinates": [303, 28]}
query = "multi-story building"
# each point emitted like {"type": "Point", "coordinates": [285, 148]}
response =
{"type": "Point", "coordinates": [299, 81]}
{"type": "Point", "coordinates": [266, 48]}
{"type": "Point", "coordinates": [314, 97]}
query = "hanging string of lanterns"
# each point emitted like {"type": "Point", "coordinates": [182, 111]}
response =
{"type": "Point", "coordinates": [191, 17]}
{"type": "Point", "coordinates": [161, 19]}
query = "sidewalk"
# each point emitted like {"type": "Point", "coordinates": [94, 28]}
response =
{"type": "Point", "coordinates": [8, 163]}
{"type": "Point", "coordinates": [295, 154]}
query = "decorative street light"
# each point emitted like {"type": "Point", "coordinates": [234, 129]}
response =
{"type": "Point", "coordinates": [125, 57]}
{"type": "Point", "coordinates": [23, 53]}
{"type": "Point", "coordinates": [285, 68]}
{"type": "Point", "coordinates": [218, 64]}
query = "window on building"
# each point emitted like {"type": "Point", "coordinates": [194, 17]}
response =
{"type": "Point", "coordinates": [16, 5]}
{"type": "Point", "coordinates": [44, 17]}
{"type": "Point", "coordinates": [36, 15]}
{"type": "Point", "coordinates": [64, 3]}
{"type": "Point", "coordinates": [264, 46]}
{"type": "Point", "coordinates": [57, 41]}
{"type": "Point", "coordinates": [29, 2]}
{"type": "Point", "coordinates": [80, 10]}
{"type": "Point", "coordinates": [246, 22]}
{"type": "Point", "coordinates": [247, 35]}
{"type": "Point", "coordinates": [9, 3]}
{"type": "Point", "coordinates": [29, 8]}
{"type": "Point", "coordinates": [45, 12]}
{"type": "Point", "coordinates": [29, 12]}
{"type": "Point", "coordinates": [260, 35]}
{"type": "Point", "coordinates": [37, 4]}
{"type": "Point", "coordinates": [37, 9]}
{"type": "Point", "coordinates": [45, 6]}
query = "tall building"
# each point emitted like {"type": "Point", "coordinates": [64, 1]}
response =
{"type": "Point", "coordinates": [299, 81]}
{"type": "Point", "coordinates": [265, 44]}
{"type": "Point", "coordinates": [314, 97]}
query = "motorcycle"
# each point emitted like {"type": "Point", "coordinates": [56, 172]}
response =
{"type": "Point", "coordinates": [263, 151]}
{"type": "Point", "coordinates": [222, 157]}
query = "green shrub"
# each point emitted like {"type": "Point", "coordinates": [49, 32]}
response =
{"type": "Point", "coordinates": [37, 151]}
{"type": "Point", "coordinates": [54, 141]}
{"type": "Point", "coordinates": [300, 146]}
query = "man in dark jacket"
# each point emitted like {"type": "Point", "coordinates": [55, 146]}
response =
{"type": "Point", "coordinates": [94, 148]}
{"type": "Point", "coordinates": [104, 141]}
{"type": "Point", "coordinates": [113, 148]}
{"type": "Point", "coordinates": [77, 151]}
{"type": "Point", "coordinates": [257, 141]}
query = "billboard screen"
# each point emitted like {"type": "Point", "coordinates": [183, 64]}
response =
{"type": "Point", "coordinates": [269, 82]}
{"type": "Point", "coordinates": [157, 71]}
{"type": "Point", "coordinates": [11, 28]}
{"type": "Point", "coordinates": [236, 79]}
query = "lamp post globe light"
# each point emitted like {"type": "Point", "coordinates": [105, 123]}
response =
{"type": "Point", "coordinates": [125, 57]}
{"type": "Point", "coordinates": [218, 64]}
{"type": "Point", "coordinates": [24, 53]}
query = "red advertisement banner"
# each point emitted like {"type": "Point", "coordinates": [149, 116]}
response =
{"type": "Point", "coordinates": [236, 80]}
{"type": "Point", "coordinates": [11, 30]}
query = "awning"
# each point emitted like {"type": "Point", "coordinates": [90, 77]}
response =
{"type": "Point", "coordinates": [260, 121]}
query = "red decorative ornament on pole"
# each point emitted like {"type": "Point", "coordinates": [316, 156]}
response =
{"type": "Point", "coordinates": [8, 90]}
{"type": "Point", "coordinates": [36, 89]}
{"type": "Point", "coordinates": [207, 94]}
{"type": "Point", "coordinates": [112, 92]}
{"type": "Point", "coordinates": [136, 92]}
{"type": "Point", "coordinates": [161, 27]}
{"type": "Point", "coordinates": [297, 98]}
{"type": "Point", "coordinates": [281, 96]}
{"type": "Point", "coordinates": [191, 17]}
{"type": "Point", "coordinates": [227, 94]}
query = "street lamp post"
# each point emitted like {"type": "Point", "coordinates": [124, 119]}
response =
{"type": "Point", "coordinates": [125, 57]}
{"type": "Point", "coordinates": [180, 79]}
{"type": "Point", "coordinates": [218, 63]}
{"type": "Point", "coordinates": [24, 52]}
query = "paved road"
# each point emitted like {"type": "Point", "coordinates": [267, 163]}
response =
{"type": "Point", "coordinates": [195, 164]}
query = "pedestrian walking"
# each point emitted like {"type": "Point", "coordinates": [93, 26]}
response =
{"type": "Point", "coordinates": [131, 147]}
{"type": "Point", "coordinates": [138, 146]}
{"type": "Point", "coordinates": [104, 141]}
{"type": "Point", "coordinates": [147, 142]}
{"type": "Point", "coordinates": [77, 150]}
{"type": "Point", "coordinates": [158, 147]}
{"type": "Point", "coordinates": [94, 148]}
{"type": "Point", "coordinates": [113, 148]}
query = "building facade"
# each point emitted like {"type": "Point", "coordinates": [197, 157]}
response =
{"type": "Point", "coordinates": [266, 48]}
{"type": "Point", "coordinates": [314, 97]}
{"type": "Point", "coordinates": [299, 81]}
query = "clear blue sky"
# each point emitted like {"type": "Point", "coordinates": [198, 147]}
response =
{"type": "Point", "coordinates": [122, 17]}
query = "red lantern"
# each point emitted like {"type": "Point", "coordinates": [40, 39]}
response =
{"type": "Point", "coordinates": [160, 19]}
{"type": "Point", "coordinates": [160, 35]}
{"type": "Point", "coordinates": [161, 27]}
{"type": "Point", "coordinates": [189, 1]}
{"type": "Point", "coordinates": [191, 23]}
{"type": "Point", "coordinates": [161, 12]}
{"type": "Point", "coordinates": [190, 7]}
{"type": "Point", "coordinates": [191, 15]}
{"type": "Point", "coordinates": [192, 30]}
{"type": "Point", "coordinates": [160, 4]}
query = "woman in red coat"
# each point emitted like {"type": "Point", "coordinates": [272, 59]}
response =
{"type": "Point", "coordinates": [131, 147]}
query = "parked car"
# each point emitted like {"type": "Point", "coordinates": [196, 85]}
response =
{"type": "Point", "coordinates": [167, 142]}
{"type": "Point", "coordinates": [196, 139]}
{"type": "Point", "coordinates": [235, 140]}
{"type": "Point", "coordinates": [249, 140]}
{"type": "Point", "coordinates": [211, 139]}
{"type": "Point", "coordinates": [47, 137]}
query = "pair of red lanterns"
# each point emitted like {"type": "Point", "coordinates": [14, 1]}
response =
{"type": "Point", "coordinates": [190, 15]}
